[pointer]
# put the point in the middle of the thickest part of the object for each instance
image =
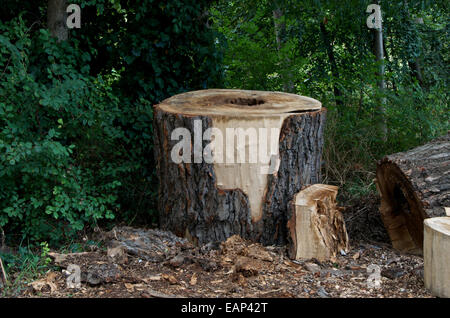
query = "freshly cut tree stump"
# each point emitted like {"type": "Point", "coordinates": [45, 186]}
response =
{"type": "Point", "coordinates": [229, 161]}
{"type": "Point", "coordinates": [436, 254]}
{"type": "Point", "coordinates": [316, 225]}
{"type": "Point", "coordinates": [414, 185]}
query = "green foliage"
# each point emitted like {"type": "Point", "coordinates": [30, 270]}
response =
{"type": "Point", "coordinates": [56, 135]}
{"type": "Point", "coordinates": [76, 144]}
{"type": "Point", "coordinates": [313, 33]}
{"type": "Point", "coordinates": [156, 49]}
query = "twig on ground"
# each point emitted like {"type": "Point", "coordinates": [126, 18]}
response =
{"type": "Point", "coordinates": [157, 294]}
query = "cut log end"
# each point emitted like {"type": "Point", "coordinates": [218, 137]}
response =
{"type": "Point", "coordinates": [316, 226]}
{"type": "Point", "coordinates": [437, 256]}
{"type": "Point", "coordinates": [413, 186]}
{"type": "Point", "coordinates": [400, 209]}
{"type": "Point", "coordinates": [237, 103]}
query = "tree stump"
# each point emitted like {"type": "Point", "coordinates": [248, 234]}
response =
{"type": "Point", "coordinates": [316, 226]}
{"type": "Point", "coordinates": [229, 161]}
{"type": "Point", "coordinates": [3, 277]}
{"type": "Point", "coordinates": [436, 255]}
{"type": "Point", "coordinates": [414, 185]}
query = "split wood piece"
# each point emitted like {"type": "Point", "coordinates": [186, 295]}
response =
{"type": "Point", "coordinates": [414, 185]}
{"type": "Point", "coordinates": [213, 192]}
{"type": "Point", "coordinates": [316, 225]}
{"type": "Point", "coordinates": [436, 254]}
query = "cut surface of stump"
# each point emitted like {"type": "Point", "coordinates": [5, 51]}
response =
{"type": "Point", "coordinates": [229, 161]}
{"type": "Point", "coordinates": [316, 226]}
{"type": "Point", "coordinates": [414, 185]}
{"type": "Point", "coordinates": [436, 252]}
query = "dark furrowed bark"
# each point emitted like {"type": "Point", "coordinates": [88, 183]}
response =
{"type": "Point", "coordinates": [191, 205]}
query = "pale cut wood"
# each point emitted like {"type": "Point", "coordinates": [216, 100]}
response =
{"type": "Point", "coordinates": [436, 253]}
{"type": "Point", "coordinates": [238, 103]}
{"type": "Point", "coordinates": [209, 201]}
{"type": "Point", "coordinates": [414, 185]}
{"type": "Point", "coordinates": [316, 226]}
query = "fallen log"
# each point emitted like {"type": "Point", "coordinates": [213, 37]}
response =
{"type": "Point", "coordinates": [229, 161]}
{"type": "Point", "coordinates": [316, 226]}
{"type": "Point", "coordinates": [414, 185]}
{"type": "Point", "coordinates": [436, 254]}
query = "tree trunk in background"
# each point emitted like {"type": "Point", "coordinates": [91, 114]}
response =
{"type": "Point", "coordinates": [414, 64]}
{"type": "Point", "coordinates": [57, 19]}
{"type": "Point", "coordinates": [413, 186]}
{"type": "Point", "coordinates": [211, 200]}
{"type": "Point", "coordinates": [379, 53]}
{"type": "Point", "coordinates": [332, 60]}
{"type": "Point", "coordinates": [416, 71]}
{"type": "Point", "coordinates": [280, 31]}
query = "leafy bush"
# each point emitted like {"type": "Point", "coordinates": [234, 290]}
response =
{"type": "Point", "coordinates": [55, 139]}
{"type": "Point", "coordinates": [150, 50]}
{"type": "Point", "coordinates": [76, 144]}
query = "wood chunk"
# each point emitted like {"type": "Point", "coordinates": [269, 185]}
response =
{"type": "Point", "coordinates": [436, 254]}
{"type": "Point", "coordinates": [316, 226]}
{"type": "Point", "coordinates": [247, 266]}
{"type": "Point", "coordinates": [118, 254]}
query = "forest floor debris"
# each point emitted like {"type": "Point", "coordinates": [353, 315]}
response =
{"type": "Point", "coordinates": [153, 263]}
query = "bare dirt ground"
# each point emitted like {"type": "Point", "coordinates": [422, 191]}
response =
{"type": "Point", "coordinates": [137, 262]}
{"type": "Point", "coordinates": [152, 263]}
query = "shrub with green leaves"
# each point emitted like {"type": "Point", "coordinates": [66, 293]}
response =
{"type": "Point", "coordinates": [76, 144]}
{"type": "Point", "coordinates": [56, 135]}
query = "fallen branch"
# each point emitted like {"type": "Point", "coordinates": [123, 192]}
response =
{"type": "Point", "coordinates": [4, 277]}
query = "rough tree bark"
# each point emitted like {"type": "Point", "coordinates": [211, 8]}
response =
{"type": "Point", "coordinates": [316, 225]}
{"type": "Point", "coordinates": [56, 19]}
{"type": "Point", "coordinates": [208, 200]}
{"type": "Point", "coordinates": [414, 185]}
{"type": "Point", "coordinates": [436, 250]}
